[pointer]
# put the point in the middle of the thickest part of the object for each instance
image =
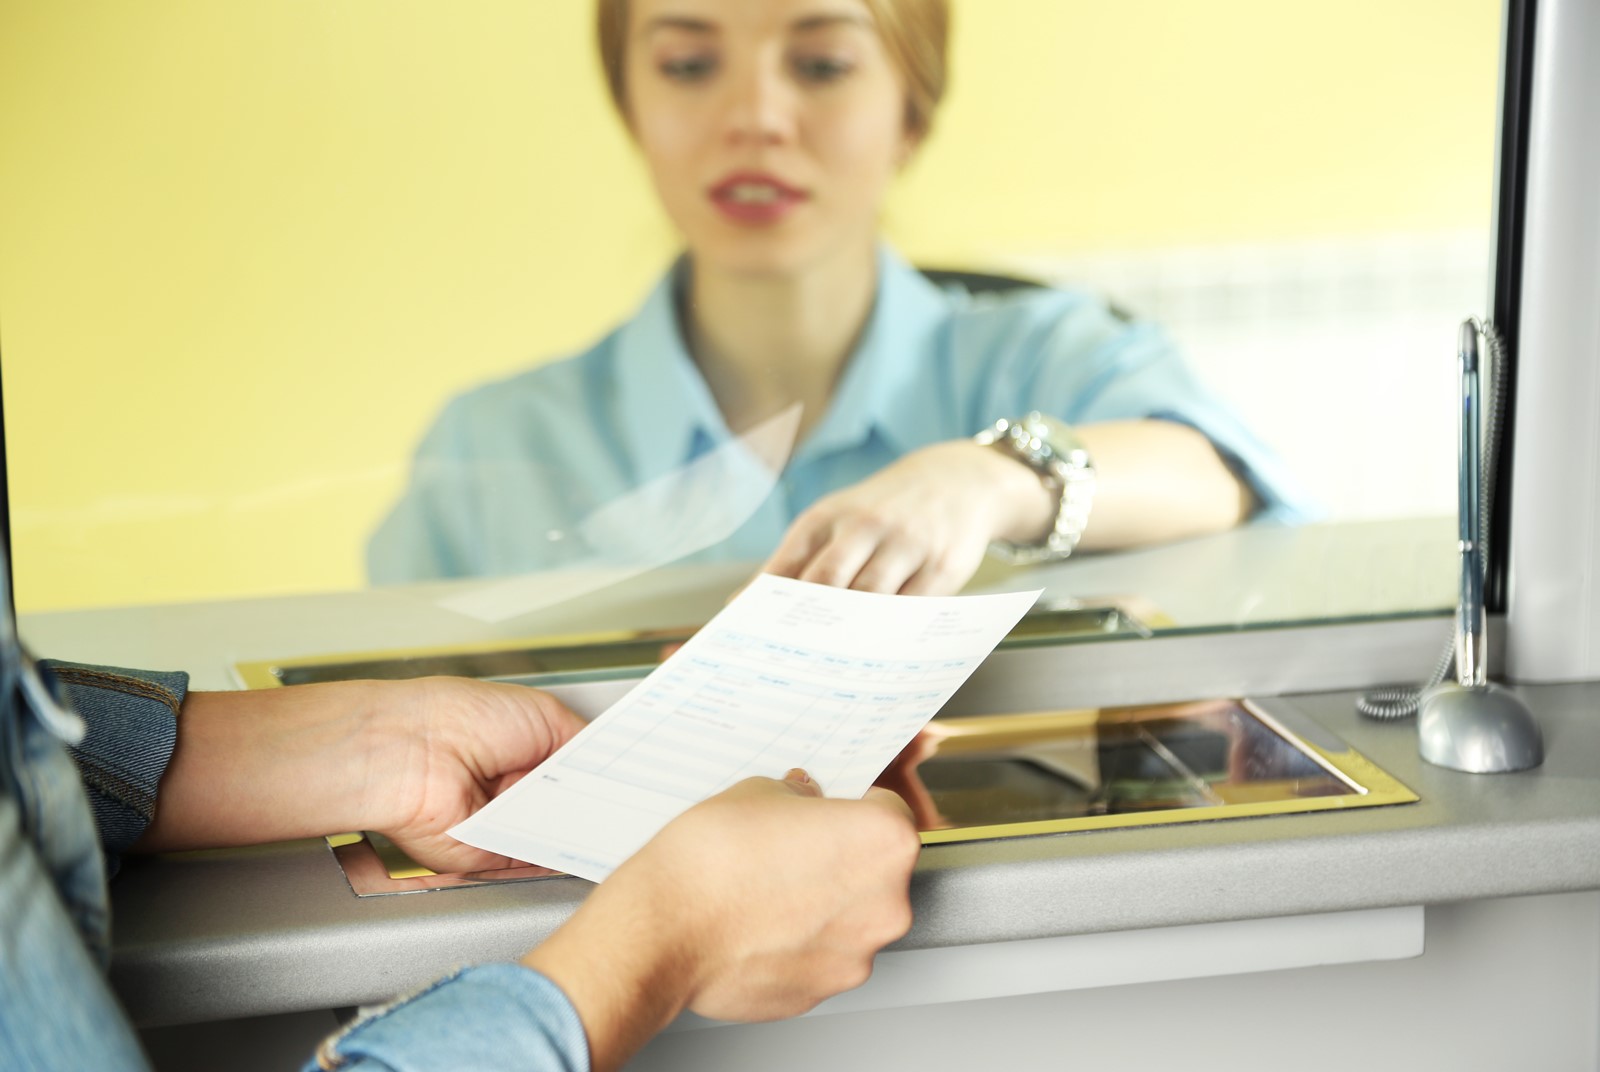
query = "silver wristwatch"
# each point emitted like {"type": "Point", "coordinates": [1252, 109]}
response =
{"type": "Point", "coordinates": [1050, 448]}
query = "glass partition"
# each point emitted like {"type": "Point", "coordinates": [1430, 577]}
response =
{"type": "Point", "coordinates": [301, 298]}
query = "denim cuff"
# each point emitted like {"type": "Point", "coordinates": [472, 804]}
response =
{"type": "Point", "coordinates": [479, 1019]}
{"type": "Point", "coordinates": [132, 718]}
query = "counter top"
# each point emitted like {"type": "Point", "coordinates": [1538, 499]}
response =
{"type": "Point", "coordinates": [1260, 611]}
{"type": "Point", "coordinates": [274, 929]}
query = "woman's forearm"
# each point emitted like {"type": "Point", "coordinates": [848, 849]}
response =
{"type": "Point", "coordinates": [1156, 481]}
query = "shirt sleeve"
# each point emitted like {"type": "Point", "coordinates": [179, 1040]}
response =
{"type": "Point", "coordinates": [420, 540]}
{"type": "Point", "coordinates": [486, 490]}
{"type": "Point", "coordinates": [132, 727]}
{"type": "Point", "coordinates": [1070, 356]}
{"type": "Point", "coordinates": [479, 1019]}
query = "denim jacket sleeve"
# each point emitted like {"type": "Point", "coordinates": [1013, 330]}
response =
{"type": "Point", "coordinates": [132, 728]}
{"type": "Point", "coordinates": [478, 1019]}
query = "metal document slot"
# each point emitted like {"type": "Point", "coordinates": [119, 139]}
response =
{"type": "Point", "coordinates": [1011, 775]}
{"type": "Point", "coordinates": [1017, 775]}
{"type": "Point", "coordinates": [549, 660]}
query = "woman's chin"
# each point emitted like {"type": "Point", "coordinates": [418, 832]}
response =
{"type": "Point", "coordinates": [767, 257]}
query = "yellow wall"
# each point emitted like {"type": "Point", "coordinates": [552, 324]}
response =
{"type": "Point", "coordinates": [249, 247]}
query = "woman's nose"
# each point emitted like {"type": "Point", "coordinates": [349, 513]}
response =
{"type": "Point", "coordinates": [760, 107]}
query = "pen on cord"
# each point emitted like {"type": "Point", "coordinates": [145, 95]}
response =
{"type": "Point", "coordinates": [1471, 661]}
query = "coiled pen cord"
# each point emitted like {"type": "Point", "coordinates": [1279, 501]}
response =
{"type": "Point", "coordinates": [1397, 702]}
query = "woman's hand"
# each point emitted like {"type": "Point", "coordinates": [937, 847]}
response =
{"type": "Point", "coordinates": [409, 759]}
{"type": "Point", "coordinates": [919, 526]}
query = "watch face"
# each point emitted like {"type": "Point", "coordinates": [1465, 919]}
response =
{"type": "Point", "coordinates": [1063, 442]}
{"type": "Point", "coordinates": [1052, 450]}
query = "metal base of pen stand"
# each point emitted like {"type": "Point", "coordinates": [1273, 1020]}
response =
{"type": "Point", "coordinates": [1481, 729]}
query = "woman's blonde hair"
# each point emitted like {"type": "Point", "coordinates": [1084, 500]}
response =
{"type": "Point", "coordinates": [915, 33]}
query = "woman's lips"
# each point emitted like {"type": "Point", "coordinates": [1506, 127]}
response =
{"type": "Point", "coordinates": [755, 199]}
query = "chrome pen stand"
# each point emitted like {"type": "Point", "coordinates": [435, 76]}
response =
{"type": "Point", "coordinates": [1472, 724]}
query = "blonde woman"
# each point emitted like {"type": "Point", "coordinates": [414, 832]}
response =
{"type": "Point", "coordinates": [933, 425]}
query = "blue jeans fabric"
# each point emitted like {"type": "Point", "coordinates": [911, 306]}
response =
{"type": "Point", "coordinates": [487, 1018]}
{"type": "Point", "coordinates": [56, 1011]}
{"type": "Point", "coordinates": [131, 728]}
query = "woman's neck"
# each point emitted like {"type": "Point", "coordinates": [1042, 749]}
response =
{"type": "Point", "coordinates": [764, 343]}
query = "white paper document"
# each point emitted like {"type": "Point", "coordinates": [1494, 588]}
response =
{"type": "Point", "coordinates": [789, 674]}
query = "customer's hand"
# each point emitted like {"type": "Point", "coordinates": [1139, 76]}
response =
{"type": "Point", "coordinates": [753, 905]}
{"type": "Point", "coordinates": [919, 526]}
{"type": "Point", "coordinates": [408, 759]}
{"type": "Point", "coordinates": [804, 892]}
{"type": "Point", "coordinates": [455, 744]}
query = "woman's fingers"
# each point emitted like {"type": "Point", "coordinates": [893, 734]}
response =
{"type": "Point", "coordinates": [808, 535]}
{"type": "Point", "coordinates": [893, 564]}
{"type": "Point", "coordinates": [873, 558]}
{"type": "Point", "coordinates": [944, 574]}
{"type": "Point", "coordinates": [838, 563]}
{"type": "Point", "coordinates": [836, 545]}
{"type": "Point", "coordinates": [918, 527]}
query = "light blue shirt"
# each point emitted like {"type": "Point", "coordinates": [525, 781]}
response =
{"type": "Point", "coordinates": [504, 480]}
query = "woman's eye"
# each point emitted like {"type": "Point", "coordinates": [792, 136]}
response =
{"type": "Point", "coordinates": [688, 68]}
{"type": "Point", "coordinates": [822, 69]}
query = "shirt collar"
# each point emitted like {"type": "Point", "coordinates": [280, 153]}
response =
{"type": "Point", "coordinates": [669, 415]}
{"type": "Point", "coordinates": [879, 388]}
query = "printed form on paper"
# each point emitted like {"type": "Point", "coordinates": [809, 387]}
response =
{"type": "Point", "coordinates": [789, 674]}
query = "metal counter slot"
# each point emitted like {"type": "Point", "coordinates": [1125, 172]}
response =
{"type": "Point", "coordinates": [634, 652]}
{"type": "Point", "coordinates": [546, 660]}
{"type": "Point", "coordinates": [1163, 764]}
{"type": "Point", "coordinates": [1054, 772]}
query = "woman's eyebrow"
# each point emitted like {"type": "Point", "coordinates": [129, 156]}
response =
{"type": "Point", "coordinates": [825, 20]}
{"type": "Point", "coordinates": [805, 23]}
{"type": "Point", "coordinates": [686, 23]}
